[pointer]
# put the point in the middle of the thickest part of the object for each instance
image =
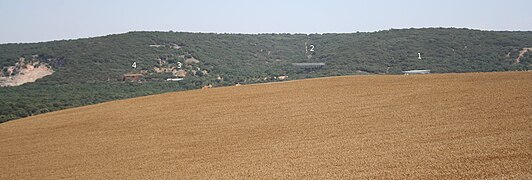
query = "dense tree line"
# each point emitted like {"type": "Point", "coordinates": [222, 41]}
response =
{"type": "Point", "coordinates": [88, 71]}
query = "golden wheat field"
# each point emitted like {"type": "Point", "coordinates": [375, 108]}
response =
{"type": "Point", "coordinates": [439, 126]}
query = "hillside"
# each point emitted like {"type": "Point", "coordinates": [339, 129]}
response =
{"type": "Point", "coordinates": [440, 126]}
{"type": "Point", "coordinates": [88, 71]}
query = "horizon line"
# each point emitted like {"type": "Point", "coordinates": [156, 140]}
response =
{"type": "Point", "coordinates": [256, 33]}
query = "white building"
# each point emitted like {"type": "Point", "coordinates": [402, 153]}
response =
{"type": "Point", "coordinates": [421, 71]}
{"type": "Point", "coordinates": [174, 79]}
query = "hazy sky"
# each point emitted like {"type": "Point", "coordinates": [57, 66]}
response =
{"type": "Point", "coordinates": [45, 20]}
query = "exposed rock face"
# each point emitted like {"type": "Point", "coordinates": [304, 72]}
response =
{"type": "Point", "coordinates": [163, 69]}
{"type": "Point", "coordinates": [23, 73]}
{"type": "Point", "coordinates": [191, 61]}
{"type": "Point", "coordinates": [171, 45]}
{"type": "Point", "coordinates": [180, 73]}
{"type": "Point", "coordinates": [522, 54]}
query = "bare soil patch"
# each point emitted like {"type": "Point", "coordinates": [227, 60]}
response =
{"type": "Point", "coordinates": [522, 54]}
{"type": "Point", "coordinates": [26, 75]}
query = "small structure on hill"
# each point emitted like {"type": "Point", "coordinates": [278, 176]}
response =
{"type": "Point", "coordinates": [420, 71]}
{"type": "Point", "coordinates": [207, 87]}
{"type": "Point", "coordinates": [131, 77]}
{"type": "Point", "coordinates": [308, 65]}
{"type": "Point", "coordinates": [281, 77]}
{"type": "Point", "coordinates": [174, 79]}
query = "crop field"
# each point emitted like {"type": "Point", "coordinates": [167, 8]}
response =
{"type": "Point", "coordinates": [438, 126]}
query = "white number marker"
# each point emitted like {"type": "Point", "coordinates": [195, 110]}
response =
{"type": "Point", "coordinates": [134, 65]}
{"type": "Point", "coordinates": [312, 48]}
{"type": "Point", "coordinates": [418, 55]}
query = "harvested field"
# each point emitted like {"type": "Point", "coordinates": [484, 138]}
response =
{"type": "Point", "coordinates": [439, 126]}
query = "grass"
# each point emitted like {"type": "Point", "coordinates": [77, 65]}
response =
{"type": "Point", "coordinates": [439, 126]}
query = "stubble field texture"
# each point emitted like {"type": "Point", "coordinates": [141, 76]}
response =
{"type": "Point", "coordinates": [439, 126]}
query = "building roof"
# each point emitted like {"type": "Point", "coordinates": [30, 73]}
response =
{"type": "Point", "coordinates": [418, 71]}
{"type": "Point", "coordinates": [308, 64]}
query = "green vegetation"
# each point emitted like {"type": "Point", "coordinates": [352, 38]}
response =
{"type": "Point", "coordinates": [88, 71]}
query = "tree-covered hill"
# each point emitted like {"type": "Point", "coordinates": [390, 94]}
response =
{"type": "Point", "coordinates": [91, 70]}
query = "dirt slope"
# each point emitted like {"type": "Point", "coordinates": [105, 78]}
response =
{"type": "Point", "coordinates": [476, 125]}
{"type": "Point", "coordinates": [522, 54]}
{"type": "Point", "coordinates": [28, 74]}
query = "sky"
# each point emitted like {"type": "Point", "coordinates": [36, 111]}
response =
{"type": "Point", "coordinates": [47, 20]}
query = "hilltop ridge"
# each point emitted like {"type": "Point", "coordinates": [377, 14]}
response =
{"type": "Point", "coordinates": [91, 70]}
